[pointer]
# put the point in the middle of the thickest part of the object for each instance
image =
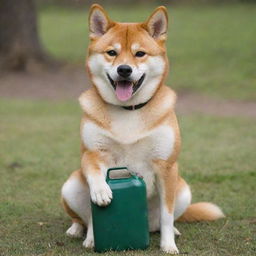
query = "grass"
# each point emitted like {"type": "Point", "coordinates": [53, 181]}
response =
{"type": "Point", "coordinates": [211, 47]}
{"type": "Point", "coordinates": [212, 51]}
{"type": "Point", "coordinates": [40, 147]}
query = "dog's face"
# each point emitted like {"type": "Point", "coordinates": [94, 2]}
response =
{"type": "Point", "coordinates": [127, 61]}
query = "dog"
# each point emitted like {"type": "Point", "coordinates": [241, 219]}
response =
{"type": "Point", "coordinates": [129, 120]}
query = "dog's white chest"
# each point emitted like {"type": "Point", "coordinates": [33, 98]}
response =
{"type": "Point", "coordinates": [130, 146]}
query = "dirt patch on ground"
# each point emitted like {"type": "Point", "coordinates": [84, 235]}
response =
{"type": "Point", "coordinates": [69, 82]}
{"type": "Point", "coordinates": [190, 102]}
{"type": "Point", "coordinates": [65, 83]}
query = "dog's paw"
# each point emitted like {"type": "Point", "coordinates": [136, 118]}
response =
{"type": "Point", "coordinates": [76, 230]}
{"type": "Point", "coordinates": [101, 194]}
{"type": "Point", "coordinates": [88, 242]}
{"type": "Point", "coordinates": [170, 248]}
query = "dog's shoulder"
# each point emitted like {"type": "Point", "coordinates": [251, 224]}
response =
{"type": "Point", "coordinates": [89, 100]}
{"type": "Point", "coordinates": [94, 108]}
{"type": "Point", "coordinates": [161, 107]}
{"type": "Point", "coordinates": [166, 98]}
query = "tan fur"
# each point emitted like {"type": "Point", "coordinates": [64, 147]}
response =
{"type": "Point", "coordinates": [147, 24]}
{"type": "Point", "coordinates": [94, 108]}
{"type": "Point", "coordinates": [105, 119]}
{"type": "Point", "coordinates": [74, 216]}
{"type": "Point", "coordinates": [90, 161]}
{"type": "Point", "coordinates": [168, 176]}
{"type": "Point", "coordinates": [155, 114]}
{"type": "Point", "coordinates": [200, 212]}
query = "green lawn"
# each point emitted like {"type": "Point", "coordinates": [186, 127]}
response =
{"type": "Point", "coordinates": [211, 47]}
{"type": "Point", "coordinates": [212, 51]}
{"type": "Point", "coordinates": [40, 147]}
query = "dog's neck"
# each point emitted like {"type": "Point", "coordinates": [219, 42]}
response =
{"type": "Point", "coordinates": [135, 107]}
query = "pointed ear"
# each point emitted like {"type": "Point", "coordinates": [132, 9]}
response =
{"type": "Point", "coordinates": [99, 21]}
{"type": "Point", "coordinates": [157, 23]}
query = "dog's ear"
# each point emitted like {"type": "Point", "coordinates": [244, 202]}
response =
{"type": "Point", "coordinates": [99, 22]}
{"type": "Point", "coordinates": [157, 23]}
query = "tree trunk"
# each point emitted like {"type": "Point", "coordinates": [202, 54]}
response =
{"type": "Point", "coordinates": [20, 46]}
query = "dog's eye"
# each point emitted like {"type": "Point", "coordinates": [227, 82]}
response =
{"type": "Point", "coordinates": [112, 53]}
{"type": "Point", "coordinates": [140, 54]}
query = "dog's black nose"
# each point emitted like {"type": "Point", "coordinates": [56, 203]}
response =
{"type": "Point", "coordinates": [124, 70]}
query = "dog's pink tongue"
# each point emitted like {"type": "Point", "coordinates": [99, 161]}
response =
{"type": "Point", "coordinates": [124, 90]}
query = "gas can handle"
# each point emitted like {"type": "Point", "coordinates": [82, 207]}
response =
{"type": "Point", "coordinates": [115, 168]}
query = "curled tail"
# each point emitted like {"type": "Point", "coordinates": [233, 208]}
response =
{"type": "Point", "coordinates": [201, 212]}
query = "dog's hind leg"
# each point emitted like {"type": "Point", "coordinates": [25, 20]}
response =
{"type": "Point", "coordinates": [77, 228]}
{"type": "Point", "coordinates": [76, 202]}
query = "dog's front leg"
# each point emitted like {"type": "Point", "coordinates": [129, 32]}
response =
{"type": "Point", "coordinates": [167, 175]}
{"type": "Point", "coordinates": [94, 169]}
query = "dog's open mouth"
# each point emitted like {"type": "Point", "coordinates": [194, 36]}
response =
{"type": "Point", "coordinates": [124, 89]}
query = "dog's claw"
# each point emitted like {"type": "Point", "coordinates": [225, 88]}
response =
{"type": "Point", "coordinates": [101, 194]}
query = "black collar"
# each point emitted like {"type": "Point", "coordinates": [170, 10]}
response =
{"type": "Point", "coordinates": [135, 107]}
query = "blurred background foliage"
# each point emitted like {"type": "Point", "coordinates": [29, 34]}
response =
{"type": "Point", "coordinates": [144, 2]}
{"type": "Point", "coordinates": [211, 44]}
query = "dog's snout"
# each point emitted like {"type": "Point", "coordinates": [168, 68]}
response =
{"type": "Point", "coordinates": [124, 70]}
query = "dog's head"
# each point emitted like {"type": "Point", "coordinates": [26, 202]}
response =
{"type": "Point", "coordinates": [127, 62]}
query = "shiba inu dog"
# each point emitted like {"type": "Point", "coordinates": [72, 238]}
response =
{"type": "Point", "coordinates": [129, 120]}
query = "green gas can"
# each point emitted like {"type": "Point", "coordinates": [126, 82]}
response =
{"type": "Point", "coordinates": [123, 224]}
